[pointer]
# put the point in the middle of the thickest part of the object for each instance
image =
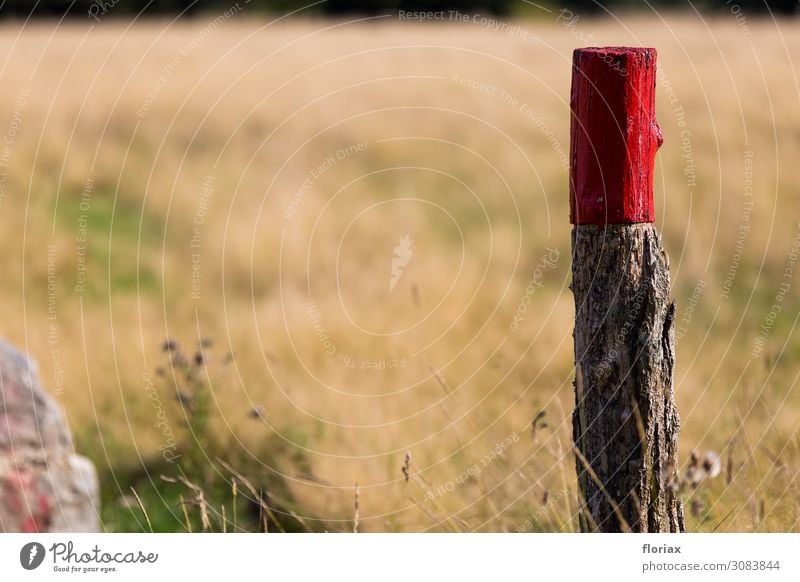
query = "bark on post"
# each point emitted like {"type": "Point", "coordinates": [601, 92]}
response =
{"type": "Point", "coordinates": [625, 423]}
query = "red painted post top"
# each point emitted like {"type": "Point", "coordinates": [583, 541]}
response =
{"type": "Point", "coordinates": [613, 135]}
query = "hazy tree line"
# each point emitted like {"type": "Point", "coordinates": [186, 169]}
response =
{"type": "Point", "coordinates": [121, 8]}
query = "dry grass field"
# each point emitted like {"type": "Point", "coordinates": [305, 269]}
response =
{"type": "Point", "coordinates": [362, 228]}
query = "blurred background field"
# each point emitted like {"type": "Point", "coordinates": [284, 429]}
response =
{"type": "Point", "coordinates": [240, 186]}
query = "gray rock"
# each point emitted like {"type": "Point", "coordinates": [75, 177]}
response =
{"type": "Point", "coordinates": [44, 485]}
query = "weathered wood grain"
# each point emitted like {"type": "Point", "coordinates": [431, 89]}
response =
{"type": "Point", "coordinates": [625, 423]}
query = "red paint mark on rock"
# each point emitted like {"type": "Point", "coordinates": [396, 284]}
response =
{"type": "Point", "coordinates": [14, 488]}
{"type": "Point", "coordinates": [33, 509]}
{"type": "Point", "coordinates": [40, 518]}
{"type": "Point", "coordinates": [613, 135]}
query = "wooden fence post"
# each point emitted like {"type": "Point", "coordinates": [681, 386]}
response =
{"type": "Point", "coordinates": [625, 423]}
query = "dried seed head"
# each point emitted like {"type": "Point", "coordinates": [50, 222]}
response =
{"type": "Point", "coordinates": [696, 506]}
{"type": "Point", "coordinates": [356, 504]}
{"type": "Point", "coordinates": [178, 359]}
{"type": "Point", "coordinates": [407, 466]}
{"type": "Point", "coordinates": [700, 468]}
{"type": "Point", "coordinates": [169, 345]}
{"type": "Point", "coordinates": [538, 422]}
{"type": "Point", "coordinates": [669, 479]}
{"type": "Point", "coordinates": [184, 397]}
{"type": "Point", "coordinates": [257, 412]}
{"type": "Point", "coordinates": [712, 464]}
